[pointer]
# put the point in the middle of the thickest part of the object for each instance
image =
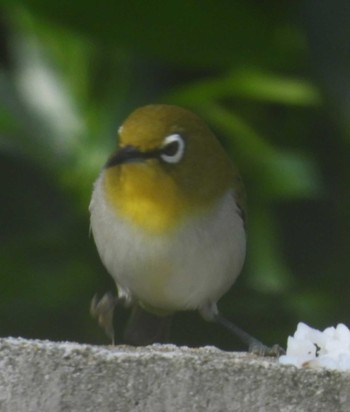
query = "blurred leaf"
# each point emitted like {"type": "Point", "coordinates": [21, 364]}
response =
{"type": "Point", "coordinates": [250, 84]}
{"type": "Point", "coordinates": [191, 33]}
{"type": "Point", "coordinates": [281, 174]}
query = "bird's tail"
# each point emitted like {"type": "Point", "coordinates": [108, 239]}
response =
{"type": "Point", "coordinates": [145, 328]}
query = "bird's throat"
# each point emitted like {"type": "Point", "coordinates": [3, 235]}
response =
{"type": "Point", "coordinates": [146, 198]}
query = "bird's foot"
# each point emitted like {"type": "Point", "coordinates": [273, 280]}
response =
{"type": "Point", "coordinates": [259, 349]}
{"type": "Point", "coordinates": [103, 310]}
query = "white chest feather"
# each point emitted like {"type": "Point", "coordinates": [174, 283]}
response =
{"type": "Point", "coordinates": [189, 268]}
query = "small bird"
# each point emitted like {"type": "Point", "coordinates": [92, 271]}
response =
{"type": "Point", "coordinates": [168, 220]}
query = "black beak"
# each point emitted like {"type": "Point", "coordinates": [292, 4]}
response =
{"type": "Point", "coordinates": [129, 154]}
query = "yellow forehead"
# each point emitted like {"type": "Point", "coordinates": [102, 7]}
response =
{"type": "Point", "coordinates": [147, 127]}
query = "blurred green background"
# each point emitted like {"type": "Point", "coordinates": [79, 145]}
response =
{"type": "Point", "coordinates": [271, 78]}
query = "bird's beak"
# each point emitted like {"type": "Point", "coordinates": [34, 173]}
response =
{"type": "Point", "coordinates": [129, 154]}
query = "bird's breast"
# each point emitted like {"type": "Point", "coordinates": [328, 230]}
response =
{"type": "Point", "coordinates": [176, 270]}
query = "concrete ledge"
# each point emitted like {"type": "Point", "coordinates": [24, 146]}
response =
{"type": "Point", "coordinates": [41, 376]}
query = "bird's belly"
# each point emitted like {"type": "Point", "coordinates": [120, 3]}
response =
{"type": "Point", "coordinates": [193, 265]}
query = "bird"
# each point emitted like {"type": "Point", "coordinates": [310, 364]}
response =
{"type": "Point", "coordinates": [167, 215]}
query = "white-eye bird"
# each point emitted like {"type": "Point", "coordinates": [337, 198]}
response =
{"type": "Point", "coordinates": [167, 217]}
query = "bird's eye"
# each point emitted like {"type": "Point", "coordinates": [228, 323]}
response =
{"type": "Point", "coordinates": [173, 148]}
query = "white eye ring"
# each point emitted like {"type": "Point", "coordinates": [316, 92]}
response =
{"type": "Point", "coordinates": [173, 148]}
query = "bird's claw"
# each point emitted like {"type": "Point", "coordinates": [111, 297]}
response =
{"type": "Point", "coordinates": [103, 310]}
{"type": "Point", "coordinates": [259, 349]}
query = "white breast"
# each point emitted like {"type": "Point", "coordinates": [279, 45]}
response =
{"type": "Point", "coordinates": [188, 268]}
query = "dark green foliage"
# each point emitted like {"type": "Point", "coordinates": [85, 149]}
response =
{"type": "Point", "coordinates": [272, 80]}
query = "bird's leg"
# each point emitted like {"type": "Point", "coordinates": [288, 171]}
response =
{"type": "Point", "coordinates": [144, 327]}
{"type": "Point", "coordinates": [254, 345]}
{"type": "Point", "coordinates": [103, 310]}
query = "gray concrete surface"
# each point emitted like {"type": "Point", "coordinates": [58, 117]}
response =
{"type": "Point", "coordinates": [42, 376]}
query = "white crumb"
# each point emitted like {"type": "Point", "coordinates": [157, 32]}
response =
{"type": "Point", "coordinates": [311, 348]}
